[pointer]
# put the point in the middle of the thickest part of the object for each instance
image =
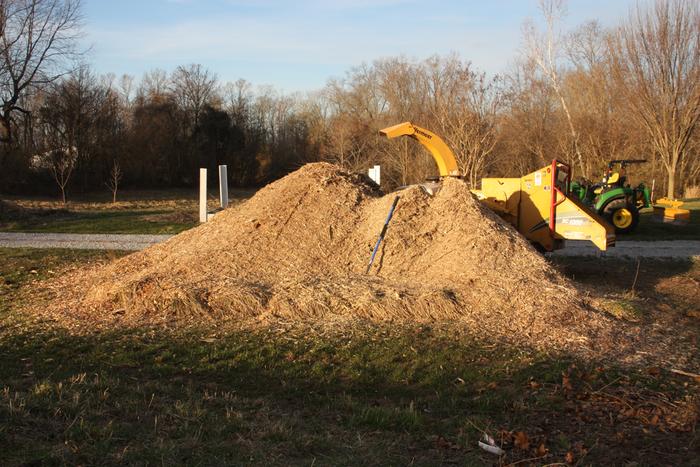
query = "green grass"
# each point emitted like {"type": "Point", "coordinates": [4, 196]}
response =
{"type": "Point", "coordinates": [119, 221]}
{"type": "Point", "coordinates": [374, 394]}
{"type": "Point", "coordinates": [650, 230]}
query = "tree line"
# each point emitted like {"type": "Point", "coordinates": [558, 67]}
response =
{"type": "Point", "coordinates": [586, 96]}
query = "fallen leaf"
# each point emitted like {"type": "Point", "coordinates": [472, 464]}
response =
{"type": "Point", "coordinates": [541, 450]}
{"type": "Point", "coordinates": [521, 441]}
{"type": "Point", "coordinates": [654, 371]}
{"type": "Point", "coordinates": [443, 443]}
{"type": "Point", "coordinates": [566, 382]}
{"type": "Point", "coordinates": [569, 458]}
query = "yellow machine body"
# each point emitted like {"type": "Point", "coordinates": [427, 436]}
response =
{"type": "Point", "coordinates": [444, 158]}
{"type": "Point", "coordinates": [529, 204]}
{"type": "Point", "coordinates": [669, 211]}
{"type": "Point", "coordinates": [536, 204]}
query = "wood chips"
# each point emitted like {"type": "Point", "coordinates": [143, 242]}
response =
{"type": "Point", "coordinates": [298, 251]}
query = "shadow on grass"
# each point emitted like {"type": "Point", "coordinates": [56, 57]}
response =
{"type": "Point", "coordinates": [650, 230]}
{"type": "Point", "coordinates": [382, 394]}
{"type": "Point", "coordinates": [646, 281]}
{"type": "Point", "coordinates": [119, 221]}
{"type": "Point", "coordinates": [377, 395]}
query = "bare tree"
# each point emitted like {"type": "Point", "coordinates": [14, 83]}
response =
{"type": "Point", "coordinates": [464, 105]}
{"type": "Point", "coordinates": [656, 62]}
{"type": "Point", "coordinates": [526, 122]}
{"type": "Point", "coordinates": [62, 162]}
{"type": "Point", "coordinates": [37, 38]}
{"type": "Point", "coordinates": [193, 87]}
{"type": "Point", "coordinates": [126, 88]}
{"type": "Point", "coordinates": [545, 51]}
{"type": "Point", "coordinates": [237, 100]}
{"type": "Point", "coordinates": [153, 86]}
{"type": "Point", "coordinates": [70, 119]}
{"type": "Point", "coordinates": [115, 176]}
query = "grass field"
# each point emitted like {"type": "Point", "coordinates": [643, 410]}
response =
{"type": "Point", "coordinates": [375, 394]}
{"type": "Point", "coordinates": [104, 221]}
{"type": "Point", "coordinates": [136, 212]}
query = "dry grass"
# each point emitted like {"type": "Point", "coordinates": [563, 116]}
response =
{"type": "Point", "coordinates": [172, 199]}
{"type": "Point", "coordinates": [692, 192]}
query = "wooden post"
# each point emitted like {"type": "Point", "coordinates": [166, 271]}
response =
{"type": "Point", "coordinates": [202, 195]}
{"type": "Point", "coordinates": [223, 187]}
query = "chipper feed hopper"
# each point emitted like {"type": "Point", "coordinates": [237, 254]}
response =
{"type": "Point", "coordinates": [538, 205]}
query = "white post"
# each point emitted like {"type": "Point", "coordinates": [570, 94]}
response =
{"type": "Point", "coordinates": [377, 175]}
{"type": "Point", "coordinates": [370, 173]}
{"type": "Point", "coordinates": [202, 195]}
{"type": "Point", "coordinates": [223, 187]}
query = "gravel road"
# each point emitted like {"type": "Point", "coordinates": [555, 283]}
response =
{"type": "Point", "coordinates": [80, 241]}
{"type": "Point", "coordinates": [632, 249]}
{"type": "Point", "coordinates": [635, 249]}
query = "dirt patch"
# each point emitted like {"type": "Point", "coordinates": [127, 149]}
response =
{"type": "Point", "coordinates": [299, 248]}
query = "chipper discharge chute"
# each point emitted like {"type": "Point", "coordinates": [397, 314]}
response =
{"type": "Point", "coordinates": [537, 205]}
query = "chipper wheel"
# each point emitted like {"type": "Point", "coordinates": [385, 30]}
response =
{"type": "Point", "coordinates": [623, 216]}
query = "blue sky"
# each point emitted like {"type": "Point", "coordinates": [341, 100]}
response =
{"type": "Point", "coordinates": [298, 45]}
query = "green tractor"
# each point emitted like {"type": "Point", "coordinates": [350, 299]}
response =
{"type": "Point", "coordinates": [613, 198]}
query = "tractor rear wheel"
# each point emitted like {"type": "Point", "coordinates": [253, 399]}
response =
{"type": "Point", "coordinates": [623, 216]}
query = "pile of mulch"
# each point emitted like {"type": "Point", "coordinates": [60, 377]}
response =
{"type": "Point", "coordinates": [298, 250]}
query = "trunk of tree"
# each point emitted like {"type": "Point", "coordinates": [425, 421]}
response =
{"type": "Point", "coordinates": [671, 188]}
{"type": "Point", "coordinates": [5, 130]}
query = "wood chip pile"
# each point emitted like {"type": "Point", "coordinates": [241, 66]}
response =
{"type": "Point", "coordinates": [299, 248]}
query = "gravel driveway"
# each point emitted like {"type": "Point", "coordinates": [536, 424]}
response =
{"type": "Point", "coordinates": [635, 249]}
{"type": "Point", "coordinates": [80, 241]}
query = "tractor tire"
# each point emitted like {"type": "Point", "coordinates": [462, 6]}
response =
{"type": "Point", "coordinates": [623, 216]}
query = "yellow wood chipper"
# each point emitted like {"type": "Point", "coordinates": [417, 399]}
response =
{"type": "Point", "coordinates": [538, 205]}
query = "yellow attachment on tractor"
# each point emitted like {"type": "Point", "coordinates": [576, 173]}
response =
{"type": "Point", "coordinates": [444, 158]}
{"type": "Point", "coordinates": [669, 211]}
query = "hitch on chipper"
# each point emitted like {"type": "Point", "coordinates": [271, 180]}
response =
{"type": "Point", "coordinates": [538, 205]}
